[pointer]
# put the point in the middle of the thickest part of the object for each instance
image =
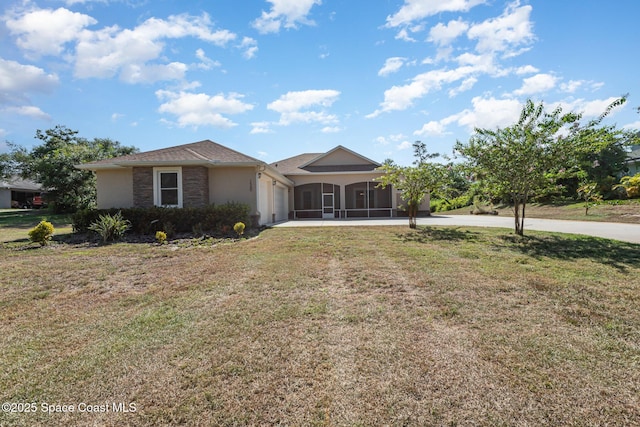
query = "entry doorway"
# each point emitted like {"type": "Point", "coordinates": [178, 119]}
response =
{"type": "Point", "coordinates": [327, 206]}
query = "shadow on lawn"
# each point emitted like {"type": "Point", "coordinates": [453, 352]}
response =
{"type": "Point", "coordinates": [617, 254]}
{"type": "Point", "coordinates": [25, 218]}
{"type": "Point", "coordinates": [430, 234]}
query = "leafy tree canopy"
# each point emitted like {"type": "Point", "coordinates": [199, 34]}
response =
{"type": "Point", "coordinates": [523, 160]}
{"type": "Point", "coordinates": [52, 164]}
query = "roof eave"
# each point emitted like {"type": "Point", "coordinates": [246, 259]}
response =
{"type": "Point", "coordinates": [374, 172]}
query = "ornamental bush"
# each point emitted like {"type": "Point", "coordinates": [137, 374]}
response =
{"type": "Point", "coordinates": [631, 185]}
{"type": "Point", "coordinates": [239, 228]}
{"type": "Point", "coordinates": [41, 233]}
{"type": "Point", "coordinates": [111, 227]}
{"type": "Point", "coordinates": [161, 237]}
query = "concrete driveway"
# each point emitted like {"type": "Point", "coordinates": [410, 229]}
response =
{"type": "Point", "coordinates": [609, 230]}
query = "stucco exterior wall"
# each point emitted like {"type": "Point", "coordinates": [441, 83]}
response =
{"type": "Point", "coordinates": [115, 188]}
{"type": "Point", "coordinates": [229, 184]}
{"type": "Point", "coordinates": [5, 198]}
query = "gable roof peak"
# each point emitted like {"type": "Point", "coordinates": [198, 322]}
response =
{"type": "Point", "coordinates": [360, 157]}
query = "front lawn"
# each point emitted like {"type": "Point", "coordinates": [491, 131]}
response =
{"type": "Point", "coordinates": [16, 223]}
{"type": "Point", "coordinates": [326, 326]}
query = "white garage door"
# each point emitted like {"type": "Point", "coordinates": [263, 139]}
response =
{"type": "Point", "coordinates": [280, 203]}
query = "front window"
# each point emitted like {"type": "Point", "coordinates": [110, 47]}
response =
{"type": "Point", "coordinates": [167, 187]}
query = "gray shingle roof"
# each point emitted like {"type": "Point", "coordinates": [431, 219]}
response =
{"type": "Point", "coordinates": [19, 184]}
{"type": "Point", "coordinates": [292, 164]}
{"type": "Point", "coordinates": [203, 151]}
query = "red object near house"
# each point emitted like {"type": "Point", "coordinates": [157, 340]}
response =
{"type": "Point", "coordinates": [38, 202]}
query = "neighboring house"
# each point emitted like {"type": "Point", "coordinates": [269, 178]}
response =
{"type": "Point", "coordinates": [633, 160]}
{"type": "Point", "coordinates": [336, 184]}
{"type": "Point", "coordinates": [17, 192]}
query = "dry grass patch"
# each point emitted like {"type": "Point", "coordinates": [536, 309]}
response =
{"type": "Point", "coordinates": [360, 326]}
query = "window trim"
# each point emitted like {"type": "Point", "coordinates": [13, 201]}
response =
{"type": "Point", "coordinates": [157, 171]}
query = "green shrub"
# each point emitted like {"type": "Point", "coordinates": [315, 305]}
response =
{"type": "Point", "coordinates": [41, 233]}
{"type": "Point", "coordinates": [111, 227]}
{"type": "Point", "coordinates": [439, 205]}
{"type": "Point", "coordinates": [239, 228]}
{"type": "Point", "coordinates": [149, 220]}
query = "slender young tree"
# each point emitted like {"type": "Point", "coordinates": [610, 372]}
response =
{"type": "Point", "coordinates": [414, 182]}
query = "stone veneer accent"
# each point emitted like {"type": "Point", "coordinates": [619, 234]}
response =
{"type": "Point", "coordinates": [142, 187]}
{"type": "Point", "coordinates": [195, 186]}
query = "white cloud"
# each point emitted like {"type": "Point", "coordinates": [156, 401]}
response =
{"type": "Point", "coordinates": [537, 84]}
{"type": "Point", "coordinates": [17, 79]}
{"type": "Point", "coordinates": [403, 34]}
{"type": "Point", "coordinates": [503, 34]}
{"type": "Point", "coordinates": [386, 140]}
{"type": "Point", "coordinates": [72, 2]}
{"type": "Point", "coordinates": [261, 127]}
{"type": "Point", "coordinates": [467, 84]}
{"type": "Point", "coordinates": [488, 113]}
{"type": "Point", "coordinates": [527, 69]}
{"type": "Point", "coordinates": [102, 53]}
{"type": "Point", "coordinates": [592, 108]}
{"type": "Point", "coordinates": [287, 13]}
{"type": "Point", "coordinates": [46, 31]}
{"type": "Point", "coordinates": [632, 126]}
{"type": "Point", "coordinates": [402, 97]}
{"type": "Point", "coordinates": [404, 145]}
{"type": "Point", "coordinates": [28, 111]}
{"type": "Point", "coordinates": [250, 47]}
{"type": "Point", "coordinates": [391, 65]}
{"type": "Point", "coordinates": [331, 129]}
{"type": "Point", "coordinates": [127, 53]}
{"type": "Point", "coordinates": [116, 116]}
{"type": "Point", "coordinates": [445, 34]}
{"type": "Point", "coordinates": [143, 73]}
{"type": "Point", "coordinates": [205, 62]}
{"type": "Point", "coordinates": [431, 128]}
{"type": "Point", "coordinates": [415, 10]}
{"type": "Point", "coordinates": [200, 109]}
{"type": "Point", "coordinates": [293, 106]}
{"type": "Point", "coordinates": [573, 85]}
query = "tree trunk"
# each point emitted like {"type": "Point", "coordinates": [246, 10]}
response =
{"type": "Point", "coordinates": [524, 205]}
{"type": "Point", "coordinates": [516, 215]}
{"type": "Point", "coordinates": [413, 212]}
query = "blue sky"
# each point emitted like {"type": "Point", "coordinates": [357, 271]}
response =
{"type": "Point", "coordinates": [276, 78]}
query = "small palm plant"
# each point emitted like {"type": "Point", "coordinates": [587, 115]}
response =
{"type": "Point", "coordinates": [111, 227]}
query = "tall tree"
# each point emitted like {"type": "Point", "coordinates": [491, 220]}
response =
{"type": "Point", "coordinates": [52, 164]}
{"type": "Point", "coordinates": [414, 182]}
